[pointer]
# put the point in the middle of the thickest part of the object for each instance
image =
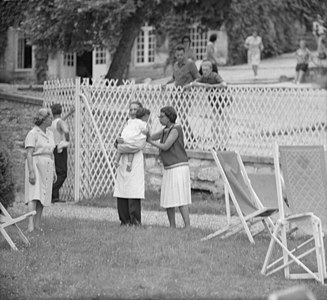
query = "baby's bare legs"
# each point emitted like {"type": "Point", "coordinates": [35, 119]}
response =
{"type": "Point", "coordinates": [118, 155]}
{"type": "Point", "coordinates": [130, 157]}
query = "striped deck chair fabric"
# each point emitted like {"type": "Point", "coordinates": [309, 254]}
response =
{"type": "Point", "coordinates": [305, 178]}
{"type": "Point", "coordinates": [250, 209]}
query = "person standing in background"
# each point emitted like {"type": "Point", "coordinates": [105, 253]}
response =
{"type": "Point", "coordinates": [254, 46]}
{"type": "Point", "coordinates": [210, 53]}
{"type": "Point", "coordinates": [303, 56]}
{"type": "Point", "coordinates": [189, 52]}
{"type": "Point", "coordinates": [61, 137]}
{"type": "Point", "coordinates": [319, 32]}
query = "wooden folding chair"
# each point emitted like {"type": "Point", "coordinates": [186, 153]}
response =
{"type": "Point", "coordinates": [6, 220]}
{"type": "Point", "coordinates": [305, 179]}
{"type": "Point", "coordinates": [250, 209]}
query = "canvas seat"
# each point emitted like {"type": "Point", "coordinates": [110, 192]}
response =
{"type": "Point", "coordinates": [238, 188]}
{"type": "Point", "coordinates": [6, 220]}
{"type": "Point", "coordinates": [305, 179]}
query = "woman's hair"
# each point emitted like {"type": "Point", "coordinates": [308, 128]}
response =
{"type": "Point", "coordinates": [170, 112]}
{"type": "Point", "coordinates": [186, 38]}
{"type": "Point", "coordinates": [213, 38]}
{"type": "Point", "coordinates": [56, 109]}
{"type": "Point", "coordinates": [206, 63]}
{"type": "Point", "coordinates": [180, 47]}
{"type": "Point", "coordinates": [41, 115]}
{"type": "Point", "coordinates": [136, 102]}
{"type": "Point", "coordinates": [142, 112]}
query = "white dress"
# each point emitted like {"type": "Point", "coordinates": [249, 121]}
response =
{"type": "Point", "coordinates": [130, 185]}
{"type": "Point", "coordinates": [43, 164]}
{"type": "Point", "coordinates": [254, 51]}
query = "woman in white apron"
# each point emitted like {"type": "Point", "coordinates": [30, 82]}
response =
{"type": "Point", "coordinates": [129, 185]}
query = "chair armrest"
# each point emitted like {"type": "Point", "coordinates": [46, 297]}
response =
{"type": "Point", "coordinates": [299, 217]}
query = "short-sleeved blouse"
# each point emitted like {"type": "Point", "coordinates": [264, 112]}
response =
{"type": "Point", "coordinates": [43, 143]}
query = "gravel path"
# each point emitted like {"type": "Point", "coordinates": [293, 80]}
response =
{"type": "Point", "coordinates": [148, 217]}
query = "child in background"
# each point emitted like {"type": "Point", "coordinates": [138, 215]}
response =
{"type": "Point", "coordinates": [134, 135]}
{"type": "Point", "coordinates": [303, 55]}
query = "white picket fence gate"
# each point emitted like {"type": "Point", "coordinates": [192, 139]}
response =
{"type": "Point", "coordinates": [247, 119]}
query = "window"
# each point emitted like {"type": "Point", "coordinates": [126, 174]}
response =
{"type": "Point", "coordinates": [69, 59]}
{"type": "Point", "coordinates": [24, 54]}
{"type": "Point", "coordinates": [100, 56]}
{"type": "Point", "coordinates": [145, 46]}
{"type": "Point", "coordinates": [151, 46]}
{"type": "Point", "coordinates": [199, 42]}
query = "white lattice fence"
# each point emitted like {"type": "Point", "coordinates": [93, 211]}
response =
{"type": "Point", "coordinates": [236, 118]}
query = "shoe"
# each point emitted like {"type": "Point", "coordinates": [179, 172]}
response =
{"type": "Point", "coordinates": [57, 200]}
{"type": "Point", "coordinates": [61, 145]}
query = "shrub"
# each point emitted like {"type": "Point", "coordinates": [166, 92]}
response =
{"type": "Point", "coordinates": [7, 196]}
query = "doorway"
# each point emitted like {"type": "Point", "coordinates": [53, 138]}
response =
{"type": "Point", "coordinates": [84, 65]}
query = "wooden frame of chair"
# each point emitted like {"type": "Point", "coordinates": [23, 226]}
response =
{"type": "Point", "coordinates": [261, 213]}
{"type": "Point", "coordinates": [279, 237]}
{"type": "Point", "coordinates": [6, 220]}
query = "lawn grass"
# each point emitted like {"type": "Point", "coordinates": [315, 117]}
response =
{"type": "Point", "coordinates": [202, 202]}
{"type": "Point", "coordinates": [78, 259]}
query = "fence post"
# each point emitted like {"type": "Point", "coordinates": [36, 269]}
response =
{"type": "Point", "coordinates": [77, 140]}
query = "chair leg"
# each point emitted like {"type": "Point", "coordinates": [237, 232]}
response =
{"type": "Point", "coordinates": [320, 251]}
{"type": "Point", "coordinates": [8, 239]}
{"type": "Point", "coordinates": [22, 235]}
{"type": "Point", "coordinates": [270, 249]}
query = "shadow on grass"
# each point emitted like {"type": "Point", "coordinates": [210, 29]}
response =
{"type": "Point", "coordinates": [202, 202]}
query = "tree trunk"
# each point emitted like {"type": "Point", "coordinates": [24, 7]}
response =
{"type": "Point", "coordinates": [122, 55]}
{"type": "Point", "coordinates": [41, 63]}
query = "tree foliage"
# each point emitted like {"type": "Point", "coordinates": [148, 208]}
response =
{"type": "Point", "coordinates": [274, 21]}
{"type": "Point", "coordinates": [207, 14]}
{"type": "Point", "coordinates": [79, 25]}
{"type": "Point", "coordinates": [7, 196]}
{"type": "Point", "coordinates": [11, 14]}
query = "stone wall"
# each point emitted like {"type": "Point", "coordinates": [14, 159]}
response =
{"type": "Point", "coordinates": [16, 119]}
{"type": "Point", "coordinates": [203, 170]}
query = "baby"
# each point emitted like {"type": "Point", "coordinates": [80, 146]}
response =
{"type": "Point", "coordinates": [134, 135]}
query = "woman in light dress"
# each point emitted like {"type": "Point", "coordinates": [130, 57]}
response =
{"type": "Point", "coordinates": [254, 46]}
{"type": "Point", "coordinates": [40, 171]}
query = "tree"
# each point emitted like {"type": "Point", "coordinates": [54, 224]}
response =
{"type": "Point", "coordinates": [11, 14]}
{"type": "Point", "coordinates": [275, 22]}
{"type": "Point", "coordinates": [77, 26]}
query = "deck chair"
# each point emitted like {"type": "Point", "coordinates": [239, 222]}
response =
{"type": "Point", "coordinates": [249, 208]}
{"type": "Point", "coordinates": [6, 220]}
{"type": "Point", "coordinates": [305, 179]}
